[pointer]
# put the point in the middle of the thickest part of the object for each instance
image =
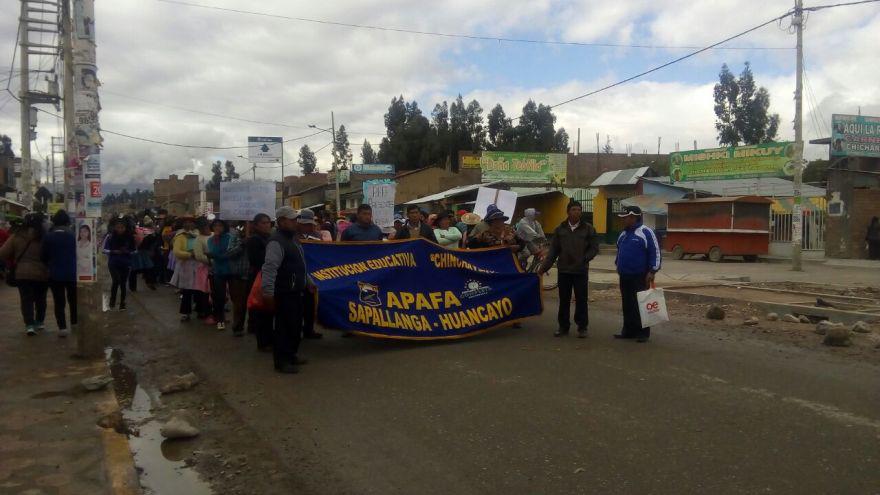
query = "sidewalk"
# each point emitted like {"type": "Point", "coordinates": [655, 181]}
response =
{"type": "Point", "coordinates": [694, 271]}
{"type": "Point", "coordinates": [49, 438]}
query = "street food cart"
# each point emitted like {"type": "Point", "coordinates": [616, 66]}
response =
{"type": "Point", "coordinates": [719, 227]}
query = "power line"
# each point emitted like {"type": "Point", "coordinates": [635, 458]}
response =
{"type": "Point", "coordinates": [154, 141]}
{"type": "Point", "coordinates": [222, 116]}
{"type": "Point", "coordinates": [455, 35]}
{"type": "Point", "coordinates": [845, 4]}
{"type": "Point", "coordinates": [667, 64]}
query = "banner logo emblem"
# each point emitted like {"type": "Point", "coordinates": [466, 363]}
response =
{"type": "Point", "coordinates": [473, 288]}
{"type": "Point", "coordinates": [369, 294]}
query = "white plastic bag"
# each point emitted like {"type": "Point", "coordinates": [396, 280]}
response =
{"type": "Point", "coordinates": [652, 307]}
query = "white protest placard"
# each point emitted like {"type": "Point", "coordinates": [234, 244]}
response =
{"type": "Point", "coordinates": [504, 200]}
{"type": "Point", "coordinates": [242, 200]}
{"type": "Point", "coordinates": [380, 195]}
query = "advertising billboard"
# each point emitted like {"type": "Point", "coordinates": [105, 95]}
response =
{"type": "Point", "coordinates": [855, 135]}
{"type": "Point", "coordinates": [739, 162]}
{"type": "Point", "coordinates": [540, 168]}
{"type": "Point", "coordinates": [263, 149]}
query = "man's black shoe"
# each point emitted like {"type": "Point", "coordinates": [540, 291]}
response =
{"type": "Point", "coordinates": [314, 335]}
{"type": "Point", "coordinates": [582, 333]}
{"type": "Point", "coordinates": [642, 340]}
{"type": "Point", "coordinates": [621, 336]}
{"type": "Point", "coordinates": [288, 369]}
{"type": "Point", "coordinates": [561, 333]}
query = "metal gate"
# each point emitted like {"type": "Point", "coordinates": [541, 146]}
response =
{"type": "Point", "coordinates": [813, 227]}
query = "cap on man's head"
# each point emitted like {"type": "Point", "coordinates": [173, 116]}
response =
{"type": "Point", "coordinates": [286, 212]}
{"type": "Point", "coordinates": [630, 211]}
{"type": "Point", "coordinates": [306, 216]}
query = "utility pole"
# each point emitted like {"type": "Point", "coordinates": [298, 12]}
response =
{"type": "Point", "coordinates": [335, 163]}
{"type": "Point", "coordinates": [796, 210]}
{"type": "Point", "coordinates": [70, 149]}
{"type": "Point", "coordinates": [578, 149]}
{"type": "Point", "coordinates": [27, 180]}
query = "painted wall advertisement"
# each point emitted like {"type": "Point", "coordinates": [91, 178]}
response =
{"type": "Point", "coordinates": [380, 195]}
{"type": "Point", "coordinates": [265, 149]}
{"type": "Point", "coordinates": [855, 135]}
{"type": "Point", "coordinates": [243, 200]}
{"type": "Point", "coordinates": [85, 249]}
{"type": "Point", "coordinates": [468, 160]}
{"type": "Point", "coordinates": [541, 168]}
{"type": "Point", "coordinates": [740, 162]}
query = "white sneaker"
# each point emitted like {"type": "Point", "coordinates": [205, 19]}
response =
{"type": "Point", "coordinates": [63, 333]}
{"type": "Point", "coordinates": [30, 331]}
{"type": "Point", "coordinates": [221, 325]}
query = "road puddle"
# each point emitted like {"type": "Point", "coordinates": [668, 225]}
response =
{"type": "Point", "coordinates": [161, 463]}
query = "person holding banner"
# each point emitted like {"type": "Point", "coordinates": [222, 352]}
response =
{"type": "Point", "coordinates": [415, 227]}
{"type": "Point", "coordinates": [363, 229]}
{"type": "Point", "coordinates": [638, 259]}
{"type": "Point", "coordinates": [574, 244]}
{"type": "Point", "coordinates": [283, 281]}
{"type": "Point", "coordinates": [305, 231]}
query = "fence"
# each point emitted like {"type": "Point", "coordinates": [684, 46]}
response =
{"type": "Point", "coordinates": [813, 228]}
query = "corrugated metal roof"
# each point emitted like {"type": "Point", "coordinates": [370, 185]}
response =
{"type": "Point", "coordinates": [627, 177]}
{"type": "Point", "coordinates": [765, 186]}
{"type": "Point", "coordinates": [449, 192]}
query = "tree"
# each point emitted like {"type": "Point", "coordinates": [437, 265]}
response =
{"type": "Point", "coordinates": [6, 146]}
{"type": "Point", "coordinates": [230, 171]}
{"type": "Point", "coordinates": [341, 148]}
{"type": "Point", "coordinates": [408, 141]}
{"type": "Point", "coordinates": [368, 155]}
{"type": "Point", "coordinates": [607, 149]}
{"type": "Point", "coordinates": [535, 131]}
{"type": "Point", "coordinates": [497, 123]}
{"type": "Point", "coordinates": [474, 126]}
{"type": "Point", "coordinates": [560, 141]}
{"type": "Point", "coordinates": [216, 175]}
{"type": "Point", "coordinates": [816, 172]}
{"type": "Point", "coordinates": [741, 110]}
{"type": "Point", "coordinates": [308, 162]}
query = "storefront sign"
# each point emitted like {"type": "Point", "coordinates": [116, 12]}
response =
{"type": "Point", "coordinates": [539, 168]}
{"type": "Point", "coordinates": [855, 135]}
{"type": "Point", "coordinates": [468, 160]}
{"type": "Point", "coordinates": [419, 290]}
{"type": "Point", "coordinates": [760, 160]}
{"type": "Point", "coordinates": [373, 168]}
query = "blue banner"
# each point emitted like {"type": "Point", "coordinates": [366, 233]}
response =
{"type": "Point", "coordinates": [416, 289]}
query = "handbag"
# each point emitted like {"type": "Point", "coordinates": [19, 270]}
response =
{"type": "Point", "coordinates": [10, 273]}
{"type": "Point", "coordinates": [652, 307]}
{"type": "Point", "coordinates": [256, 301]}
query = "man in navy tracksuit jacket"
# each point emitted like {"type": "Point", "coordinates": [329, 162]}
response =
{"type": "Point", "coordinates": [638, 259]}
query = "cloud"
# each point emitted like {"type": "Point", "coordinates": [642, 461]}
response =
{"type": "Point", "coordinates": [296, 73]}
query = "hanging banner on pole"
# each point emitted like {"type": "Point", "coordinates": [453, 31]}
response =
{"type": "Point", "coordinates": [380, 195]}
{"type": "Point", "coordinates": [85, 249]}
{"type": "Point", "coordinates": [418, 290]}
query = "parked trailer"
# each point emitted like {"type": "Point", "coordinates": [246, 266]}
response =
{"type": "Point", "coordinates": [719, 227]}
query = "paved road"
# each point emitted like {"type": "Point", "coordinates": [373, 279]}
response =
{"type": "Point", "coordinates": [518, 411]}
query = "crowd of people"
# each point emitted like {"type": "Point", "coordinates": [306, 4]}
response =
{"type": "Point", "coordinates": [259, 272]}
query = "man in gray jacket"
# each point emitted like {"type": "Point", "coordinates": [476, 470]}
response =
{"type": "Point", "coordinates": [574, 244]}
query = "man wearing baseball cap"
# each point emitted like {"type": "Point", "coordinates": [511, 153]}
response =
{"type": "Point", "coordinates": [638, 259]}
{"type": "Point", "coordinates": [284, 280]}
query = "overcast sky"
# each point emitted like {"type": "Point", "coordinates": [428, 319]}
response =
{"type": "Point", "coordinates": [153, 56]}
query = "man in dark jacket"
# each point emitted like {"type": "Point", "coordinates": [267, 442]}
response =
{"type": "Point", "coordinates": [415, 227]}
{"type": "Point", "coordinates": [59, 254]}
{"type": "Point", "coordinates": [363, 229]}
{"type": "Point", "coordinates": [574, 244]}
{"type": "Point", "coordinates": [638, 259]}
{"type": "Point", "coordinates": [284, 280]}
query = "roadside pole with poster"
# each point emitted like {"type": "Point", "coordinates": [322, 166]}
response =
{"type": "Point", "coordinates": [86, 250]}
{"type": "Point", "coordinates": [380, 195]}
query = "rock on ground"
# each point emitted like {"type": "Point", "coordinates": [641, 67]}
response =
{"type": "Point", "coordinates": [180, 383]}
{"type": "Point", "coordinates": [178, 428]}
{"type": "Point", "coordinates": [823, 326]}
{"type": "Point", "coordinates": [804, 319]}
{"type": "Point", "coordinates": [861, 327]}
{"type": "Point", "coordinates": [791, 319]}
{"type": "Point", "coordinates": [838, 336]}
{"type": "Point", "coordinates": [772, 317]}
{"type": "Point", "coordinates": [95, 383]}
{"type": "Point", "coordinates": [715, 313]}
{"type": "Point", "coordinates": [751, 321]}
